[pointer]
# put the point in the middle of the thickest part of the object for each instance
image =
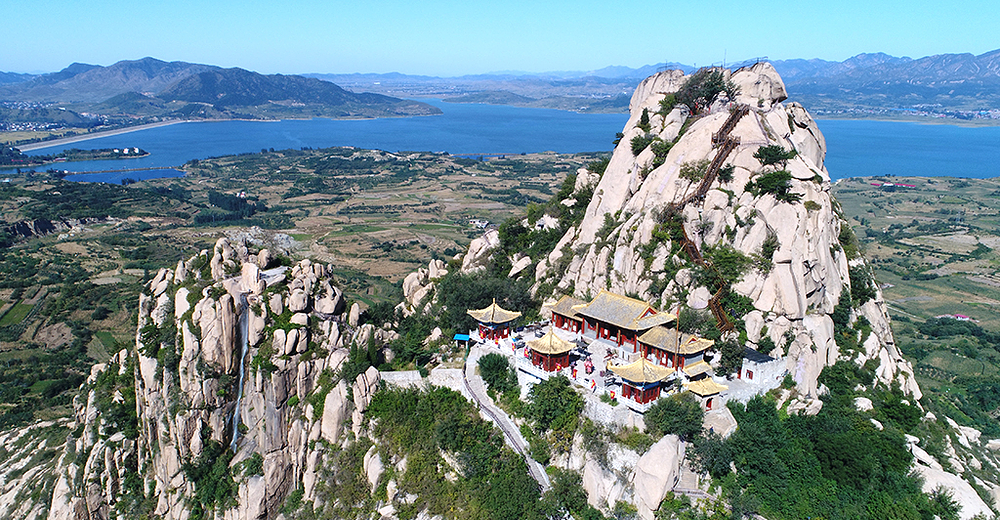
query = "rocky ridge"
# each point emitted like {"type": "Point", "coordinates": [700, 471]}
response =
{"type": "Point", "coordinates": [294, 406]}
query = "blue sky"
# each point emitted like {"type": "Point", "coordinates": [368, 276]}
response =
{"type": "Point", "coordinates": [454, 37]}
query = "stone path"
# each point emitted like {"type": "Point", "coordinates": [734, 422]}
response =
{"type": "Point", "coordinates": [512, 435]}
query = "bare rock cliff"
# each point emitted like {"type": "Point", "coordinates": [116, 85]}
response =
{"type": "Point", "coordinates": [621, 244]}
{"type": "Point", "coordinates": [234, 362]}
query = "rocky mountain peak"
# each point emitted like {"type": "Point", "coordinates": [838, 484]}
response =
{"type": "Point", "coordinates": [738, 179]}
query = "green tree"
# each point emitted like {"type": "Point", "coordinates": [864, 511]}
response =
{"type": "Point", "coordinates": [643, 123]}
{"type": "Point", "coordinates": [497, 372]}
{"type": "Point", "coordinates": [774, 154]}
{"type": "Point", "coordinates": [776, 183]}
{"type": "Point", "coordinates": [702, 87]}
{"type": "Point", "coordinates": [640, 142]}
{"type": "Point", "coordinates": [731, 359]}
{"type": "Point", "coordinates": [679, 414]}
{"type": "Point", "coordinates": [553, 404]}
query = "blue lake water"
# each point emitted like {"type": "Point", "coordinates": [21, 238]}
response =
{"type": "Point", "coordinates": [462, 129]}
{"type": "Point", "coordinates": [864, 148]}
{"type": "Point", "coordinates": [855, 148]}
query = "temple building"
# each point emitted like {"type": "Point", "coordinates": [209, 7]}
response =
{"type": "Point", "coordinates": [619, 319]}
{"type": "Point", "coordinates": [564, 314]}
{"type": "Point", "coordinates": [494, 321]}
{"type": "Point", "coordinates": [550, 352]}
{"type": "Point", "coordinates": [641, 382]}
{"type": "Point", "coordinates": [669, 348]}
{"type": "Point", "coordinates": [706, 389]}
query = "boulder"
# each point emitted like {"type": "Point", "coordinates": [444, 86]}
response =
{"type": "Point", "coordinates": [181, 304]}
{"type": "Point", "coordinates": [479, 250]}
{"type": "Point", "coordinates": [298, 300]}
{"type": "Point", "coordinates": [519, 265]}
{"type": "Point", "coordinates": [334, 413]}
{"type": "Point", "coordinates": [656, 473]}
{"type": "Point", "coordinates": [250, 279]}
{"type": "Point", "coordinates": [372, 466]}
{"type": "Point", "coordinates": [276, 305]}
{"type": "Point", "coordinates": [180, 273]}
{"type": "Point", "coordinates": [760, 85]}
{"type": "Point", "coordinates": [354, 315]}
{"type": "Point", "coordinates": [291, 341]}
{"type": "Point", "coordinates": [332, 302]}
{"type": "Point", "coordinates": [597, 483]}
{"type": "Point", "coordinates": [962, 492]}
{"type": "Point", "coordinates": [263, 258]}
{"type": "Point", "coordinates": [363, 389]}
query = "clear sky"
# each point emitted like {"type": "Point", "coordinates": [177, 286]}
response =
{"type": "Point", "coordinates": [455, 37]}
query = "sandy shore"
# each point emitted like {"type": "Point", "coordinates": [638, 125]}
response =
{"type": "Point", "coordinates": [94, 135]}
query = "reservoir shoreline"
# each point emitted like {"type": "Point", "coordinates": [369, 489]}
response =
{"type": "Point", "coordinates": [95, 135]}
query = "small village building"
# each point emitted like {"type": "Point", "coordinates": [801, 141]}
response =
{"type": "Point", "coordinates": [550, 352]}
{"type": "Point", "coordinates": [495, 322]}
{"type": "Point", "coordinates": [564, 314]}
{"type": "Point", "coordinates": [642, 380]}
{"type": "Point", "coordinates": [619, 319]}
{"type": "Point", "coordinates": [761, 368]}
{"type": "Point", "coordinates": [672, 349]}
{"type": "Point", "coordinates": [707, 391]}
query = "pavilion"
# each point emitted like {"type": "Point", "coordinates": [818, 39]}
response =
{"type": "Point", "coordinates": [619, 319]}
{"type": "Point", "coordinates": [494, 321]}
{"type": "Point", "coordinates": [706, 389]}
{"type": "Point", "coordinates": [550, 352]}
{"type": "Point", "coordinates": [641, 379]}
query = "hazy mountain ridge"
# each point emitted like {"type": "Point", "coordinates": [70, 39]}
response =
{"type": "Point", "coordinates": [153, 88]}
{"type": "Point", "coordinates": [953, 84]}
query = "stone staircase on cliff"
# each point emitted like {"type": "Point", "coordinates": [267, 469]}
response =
{"type": "Point", "coordinates": [725, 144]}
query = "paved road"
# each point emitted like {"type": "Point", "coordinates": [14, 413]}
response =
{"type": "Point", "coordinates": [512, 435]}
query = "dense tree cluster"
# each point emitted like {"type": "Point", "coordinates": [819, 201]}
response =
{"type": "Point", "coordinates": [835, 464]}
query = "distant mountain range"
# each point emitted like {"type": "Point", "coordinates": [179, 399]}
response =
{"type": "Point", "coordinates": [952, 85]}
{"type": "Point", "coordinates": [153, 88]}
{"type": "Point", "coordinates": [960, 85]}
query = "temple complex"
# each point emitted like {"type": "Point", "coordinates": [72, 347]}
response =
{"type": "Point", "coordinates": [670, 348]}
{"type": "Point", "coordinates": [628, 337]}
{"type": "Point", "coordinates": [706, 389]}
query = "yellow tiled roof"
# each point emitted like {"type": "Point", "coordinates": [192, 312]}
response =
{"type": "Point", "coordinates": [694, 345]}
{"type": "Point", "coordinates": [652, 321]}
{"type": "Point", "coordinates": [622, 311]}
{"type": "Point", "coordinates": [698, 368]}
{"type": "Point", "coordinates": [705, 387]}
{"type": "Point", "coordinates": [493, 314]}
{"type": "Point", "coordinates": [550, 344]}
{"type": "Point", "coordinates": [642, 371]}
{"type": "Point", "coordinates": [665, 338]}
{"type": "Point", "coordinates": [565, 306]}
